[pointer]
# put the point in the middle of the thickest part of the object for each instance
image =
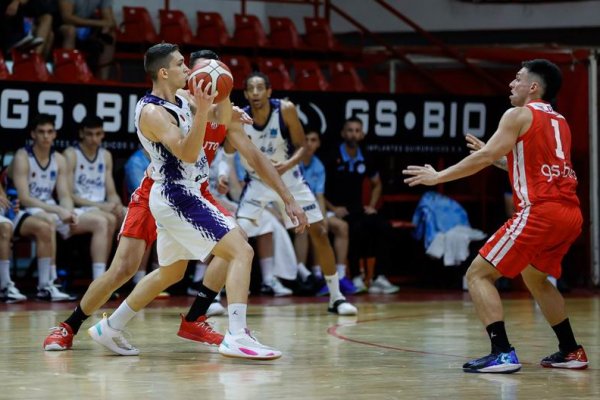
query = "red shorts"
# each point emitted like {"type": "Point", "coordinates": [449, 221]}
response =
{"type": "Point", "coordinates": [139, 222]}
{"type": "Point", "coordinates": [539, 235]}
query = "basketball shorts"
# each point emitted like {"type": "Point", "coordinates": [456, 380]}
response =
{"type": "Point", "coordinates": [539, 235]}
{"type": "Point", "coordinates": [139, 222]}
{"type": "Point", "coordinates": [257, 195]}
{"type": "Point", "coordinates": [62, 228]}
{"type": "Point", "coordinates": [188, 225]}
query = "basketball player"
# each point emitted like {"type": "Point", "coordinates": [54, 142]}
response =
{"type": "Point", "coordinates": [37, 171]}
{"type": "Point", "coordinates": [537, 143]}
{"type": "Point", "coordinates": [89, 168]}
{"type": "Point", "coordinates": [277, 131]}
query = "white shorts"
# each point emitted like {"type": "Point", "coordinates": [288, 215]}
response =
{"type": "Point", "coordinates": [257, 196]}
{"type": "Point", "coordinates": [188, 226]}
{"type": "Point", "coordinates": [4, 220]}
{"type": "Point", "coordinates": [62, 228]}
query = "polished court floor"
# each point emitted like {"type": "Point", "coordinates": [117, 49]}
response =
{"type": "Point", "coordinates": [409, 346]}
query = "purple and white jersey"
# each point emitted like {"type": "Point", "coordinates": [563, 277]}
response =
{"type": "Point", "coordinates": [166, 166]}
{"type": "Point", "coordinates": [89, 178]}
{"type": "Point", "coordinates": [42, 180]}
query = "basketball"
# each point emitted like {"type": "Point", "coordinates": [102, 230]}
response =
{"type": "Point", "coordinates": [212, 71]}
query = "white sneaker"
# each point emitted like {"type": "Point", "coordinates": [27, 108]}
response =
{"type": "Point", "coordinates": [216, 308]}
{"type": "Point", "coordinates": [244, 345]}
{"type": "Point", "coordinates": [112, 339]}
{"type": "Point", "coordinates": [51, 292]}
{"type": "Point", "coordinates": [10, 294]}
{"type": "Point", "coordinates": [342, 307]}
{"type": "Point", "coordinates": [382, 286]}
{"type": "Point", "coordinates": [278, 289]}
{"type": "Point", "coordinates": [359, 284]}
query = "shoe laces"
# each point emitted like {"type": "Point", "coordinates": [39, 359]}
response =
{"type": "Point", "coordinates": [204, 324]}
{"type": "Point", "coordinates": [59, 330]}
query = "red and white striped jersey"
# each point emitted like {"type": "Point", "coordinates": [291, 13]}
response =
{"type": "Point", "coordinates": [539, 166]}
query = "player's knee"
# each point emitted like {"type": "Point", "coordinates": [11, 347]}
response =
{"type": "Point", "coordinates": [5, 232]}
{"type": "Point", "coordinates": [246, 251]}
{"type": "Point", "coordinates": [43, 232]}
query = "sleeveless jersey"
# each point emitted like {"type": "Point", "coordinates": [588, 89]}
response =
{"type": "Point", "coordinates": [166, 166]}
{"type": "Point", "coordinates": [42, 180]}
{"type": "Point", "coordinates": [89, 178]}
{"type": "Point", "coordinates": [539, 165]}
{"type": "Point", "coordinates": [273, 139]}
{"type": "Point", "coordinates": [214, 136]}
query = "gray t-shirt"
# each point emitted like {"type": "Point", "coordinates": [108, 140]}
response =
{"type": "Point", "coordinates": [87, 8]}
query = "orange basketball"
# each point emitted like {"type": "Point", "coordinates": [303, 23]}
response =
{"type": "Point", "coordinates": [212, 71]}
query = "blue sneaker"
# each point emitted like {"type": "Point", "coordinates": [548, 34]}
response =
{"type": "Point", "coordinates": [499, 363]}
{"type": "Point", "coordinates": [347, 287]}
{"type": "Point", "coordinates": [324, 291]}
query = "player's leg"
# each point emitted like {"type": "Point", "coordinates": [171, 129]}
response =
{"type": "Point", "coordinates": [8, 291]}
{"type": "Point", "coordinates": [97, 225]}
{"type": "Point", "coordinates": [340, 231]}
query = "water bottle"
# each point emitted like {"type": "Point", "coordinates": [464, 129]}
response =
{"type": "Point", "coordinates": [12, 196]}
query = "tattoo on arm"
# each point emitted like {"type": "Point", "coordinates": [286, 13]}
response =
{"type": "Point", "coordinates": [502, 163]}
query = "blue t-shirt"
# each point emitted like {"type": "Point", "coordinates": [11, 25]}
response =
{"type": "Point", "coordinates": [314, 175]}
{"type": "Point", "coordinates": [135, 167]}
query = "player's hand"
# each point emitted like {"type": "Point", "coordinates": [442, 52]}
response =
{"type": "Point", "coordinates": [223, 184]}
{"type": "Point", "coordinates": [340, 212]}
{"type": "Point", "coordinates": [67, 216]}
{"type": "Point", "coordinates": [369, 210]}
{"type": "Point", "coordinates": [425, 175]}
{"type": "Point", "coordinates": [473, 143]}
{"type": "Point", "coordinates": [4, 202]}
{"type": "Point", "coordinates": [237, 114]}
{"type": "Point", "coordinates": [12, 8]}
{"type": "Point", "coordinates": [106, 207]}
{"type": "Point", "coordinates": [297, 215]}
{"type": "Point", "coordinates": [203, 98]}
{"type": "Point", "coordinates": [280, 167]}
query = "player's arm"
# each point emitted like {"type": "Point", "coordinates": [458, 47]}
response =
{"type": "Point", "coordinates": [112, 196]}
{"type": "Point", "coordinates": [63, 192]}
{"type": "Point", "coordinates": [69, 173]}
{"type": "Point", "coordinates": [290, 117]}
{"type": "Point", "coordinates": [512, 124]}
{"type": "Point", "coordinates": [376, 189]}
{"type": "Point", "coordinates": [475, 144]}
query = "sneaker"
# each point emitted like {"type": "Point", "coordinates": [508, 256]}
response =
{"type": "Point", "coordinates": [577, 359]}
{"type": "Point", "coordinates": [359, 284]}
{"type": "Point", "coordinates": [51, 292]}
{"type": "Point", "coordinates": [277, 288]}
{"type": "Point", "coordinates": [112, 339]}
{"type": "Point", "coordinates": [199, 331]}
{"type": "Point", "coordinates": [60, 338]}
{"type": "Point", "coordinates": [216, 308]}
{"type": "Point", "coordinates": [244, 345]}
{"type": "Point", "coordinates": [10, 294]}
{"type": "Point", "coordinates": [347, 287]}
{"type": "Point", "coordinates": [382, 286]}
{"type": "Point", "coordinates": [324, 290]}
{"type": "Point", "coordinates": [342, 307]}
{"type": "Point", "coordinates": [499, 363]}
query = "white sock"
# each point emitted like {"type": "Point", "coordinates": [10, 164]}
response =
{"type": "Point", "coordinates": [138, 276]}
{"type": "Point", "coordinates": [316, 269]}
{"type": "Point", "coordinates": [44, 267]}
{"type": "Point", "coordinates": [237, 317]}
{"type": "Point", "coordinates": [303, 271]}
{"type": "Point", "coordinates": [4, 273]}
{"type": "Point", "coordinates": [341, 270]}
{"type": "Point", "coordinates": [333, 283]}
{"type": "Point", "coordinates": [200, 271]}
{"type": "Point", "coordinates": [98, 269]}
{"type": "Point", "coordinates": [121, 316]}
{"type": "Point", "coordinates": [53, 274]}
{"type": "Point", "coordinates": [266, 267]}
{"type": "Point", "coordinates": [552, 280]}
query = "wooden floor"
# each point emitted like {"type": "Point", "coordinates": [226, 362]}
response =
{"type": "Point", "coordinates": [396, 349]}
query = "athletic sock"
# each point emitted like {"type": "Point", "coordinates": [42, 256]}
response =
{"type": "Point", "coordinates": [201, 303]}
{"type": "Point", "coordinates": [497, 333]}
{"type": "Point", "coordinates": [566, 338]}
{"type": "Point", "coordinates": [76, 319]}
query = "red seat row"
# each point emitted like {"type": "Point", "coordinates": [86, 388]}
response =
{"type": "Point", "coordinates": [69, 66]}
{"type": "Point", "coordinates": [137, 27]}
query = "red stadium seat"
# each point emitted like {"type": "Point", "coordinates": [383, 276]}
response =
{"type": "Point", "coordinates": [277, 72]}
{"type": "Point", "coordinates": [70, 66]}
{"type": "Point", "coordinates": [29, 67]}
{"type": "Point", "coordinates": [318, 34]}
{"type": "Point", "coordinates": [284, 34]}
{"type": "Point", "coordinates": [240, 68]}
{"type": "Point", "coordinates": [137, 27]}
{"type": "Point", "coordinates": [344, 78]}
{"type": "Point", "coordinates": [309, 76]}
{"type": "Point", "coordinates": [4, 74]}
{"type": "Point", "coordinates": [249, 32]}
{"type": "Point", "coordinates": [211, 31]}
{"type": "Point", "coordinates": [174, 27]}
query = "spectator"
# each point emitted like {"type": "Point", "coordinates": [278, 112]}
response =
{"type": "Point", "coordinates": [13, 34]}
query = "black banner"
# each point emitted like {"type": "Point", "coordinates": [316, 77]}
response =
{"type": "Point", "coordinates": [395, 124]}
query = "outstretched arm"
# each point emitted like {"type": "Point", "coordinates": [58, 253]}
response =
{"type": "Point", "coordinates": [475, 144]}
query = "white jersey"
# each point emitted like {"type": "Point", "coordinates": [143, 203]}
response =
{"type": "Point", "coordinates": [273, 140]}
{"type": "Point", "coordinates": [166, 166]}
{"type": "Point", "coordinates": [89, 178]}
{"type": "Point", "coordinates": [42, 180]}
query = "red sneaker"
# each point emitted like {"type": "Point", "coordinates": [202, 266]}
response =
{"type": "Point", "coordinates": [577, 359]}
{"type": "Point", "coordinates": [199, 331]}
{"type": "Point", "coordinates": [60, 338]}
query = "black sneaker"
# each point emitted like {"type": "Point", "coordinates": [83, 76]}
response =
{"type": "Point", "coordinates": [576, 359]}
{"type": "Point", "coordinates": [498, 363]}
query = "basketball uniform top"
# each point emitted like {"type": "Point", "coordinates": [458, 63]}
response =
{"type": "Point", "coordinates": [42, 180]}
{"type": "Point", "coordinates": [89, 180]}
{"type": "Point", "coordinates": [539, 165]}
{"type": "Point", "coordinates": [166, 166]}
{"type": "Point", "coordinates": [213, 137]}
{"type": "Point", "coordinates": [273, 139]}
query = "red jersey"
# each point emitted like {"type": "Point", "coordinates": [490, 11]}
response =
{"type": "Point", "coordinates": [214, 136]}
{"type": "Point", "coordinates": [539, 166]}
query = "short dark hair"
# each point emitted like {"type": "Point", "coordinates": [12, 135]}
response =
{"type": "Point", "coordinates": [42, 119]}
{"type": "Point", "coordinates": [205, 53]}
{"type": "Point", "coordinates": [310, 129]}
{"type": "Point", "coordinates": [353, 119]}
{"type": "Point", "coordinates": [550, 75]}
{"type": "Point", "coordinates": [157, 57]}
{"type": "Point", "coordinates": [91, 121]}
{"type": "Point", "coordinates": [257, 74]}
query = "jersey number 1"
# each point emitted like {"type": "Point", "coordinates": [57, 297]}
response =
{"type": "Point", "coordinates": [559, 150]}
